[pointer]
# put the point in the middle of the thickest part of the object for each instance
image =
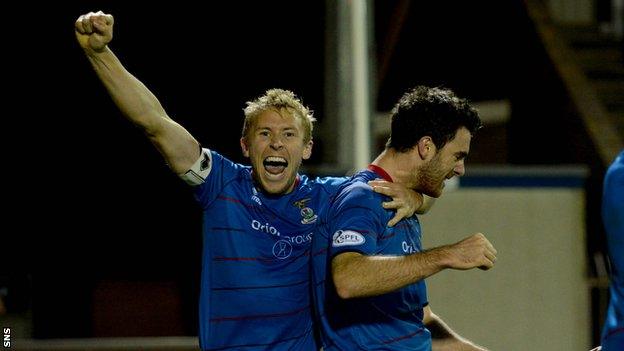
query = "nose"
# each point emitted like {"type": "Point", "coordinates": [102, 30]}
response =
{"type": "Point", "coordinates": [276, 142]}
{"type": "Point", "coordinates": [459, 169]}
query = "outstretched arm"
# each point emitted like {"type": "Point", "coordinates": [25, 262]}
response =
{"type": "Point", "coordinates": [443, 338]}
{"type": "Point", "coordinates": [357, 275]}
{"type": "Point", "coordinates": [94, 31]}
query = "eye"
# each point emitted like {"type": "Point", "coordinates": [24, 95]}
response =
{"type": "Point", "coordinates": [289, 134]}
{"type": "Point", "coordinates": [264, 133]}
{"type": "Point", "coordinates": [460, 157]}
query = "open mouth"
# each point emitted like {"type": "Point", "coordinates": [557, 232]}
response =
{"type": "Point", "coordinates": [275, 165]}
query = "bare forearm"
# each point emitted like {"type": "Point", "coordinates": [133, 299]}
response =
{"type": "Point", "coordinates": [358, 275]}
{"type": "Point", "coordinates": [131, 96]}
{"type": "Point", "coordinates": [443, 338]}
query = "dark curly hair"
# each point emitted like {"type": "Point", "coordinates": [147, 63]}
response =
{"type": "Point", "coordinates": [435, 112]}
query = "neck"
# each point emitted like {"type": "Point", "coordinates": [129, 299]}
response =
{"type": "Point", "coordinates": [397, 164]}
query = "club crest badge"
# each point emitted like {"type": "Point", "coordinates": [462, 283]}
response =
{"type": "Point", "coordinates": [307, 214]}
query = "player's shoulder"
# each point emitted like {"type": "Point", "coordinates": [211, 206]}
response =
{"type": "Point", "coordinates": [322, 186]}
{"type": "Point", "coordinates": [326, 182]}
{"type": "Point", "coordinates": [356, 191]}
{"type": "Point", "coordinates": [221, 164]}
{"type": "Point", "coordinates": [220, 158]}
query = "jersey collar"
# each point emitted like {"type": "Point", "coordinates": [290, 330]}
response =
{"type": "Point", "coordinates": [380, 171]}
{"type": "Point", "coordinates": [257, 187]}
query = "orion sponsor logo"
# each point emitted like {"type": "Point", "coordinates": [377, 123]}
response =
{"type": "Point", "coordinates": [265, 228]}
{"type": "Point", "coordinates": [347, 237]}
{"type": "Point", "coordinates": [408, 248]}
{"type": "Point", "coordinates": [269, 229]}
{"type": "Point", "coordinates": [300, 239]}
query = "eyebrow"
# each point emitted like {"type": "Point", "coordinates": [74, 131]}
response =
{"type": "Point", "coordinates": [461, 154]}
{"type": "Point", "coordinates": [268, 128]}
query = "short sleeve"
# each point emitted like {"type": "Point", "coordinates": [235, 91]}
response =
{"type": "Point", "coordinates": [222, 172]}
{"type": "Point", "coordinates": [356, 221]}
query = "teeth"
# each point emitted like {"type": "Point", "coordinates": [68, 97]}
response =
{"type": "Point", "coordinates": [275, 159]}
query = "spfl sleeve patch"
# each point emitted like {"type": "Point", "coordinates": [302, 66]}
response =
{"type": "Point", "coordinates": [347, 238]}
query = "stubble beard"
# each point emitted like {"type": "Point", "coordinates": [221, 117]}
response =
{"type": "Point", "coordinates": [431, 178]}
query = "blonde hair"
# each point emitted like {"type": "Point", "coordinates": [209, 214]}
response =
{"type": "Point", "coordinates": [278, 99]}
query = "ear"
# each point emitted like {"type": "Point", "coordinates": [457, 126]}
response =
{"type": "Point", "coordinates": [244, 147]}
{"type": "Point", "coordinates": [426, 147]}
{"type": "Point", "coordinates": [307, 151]}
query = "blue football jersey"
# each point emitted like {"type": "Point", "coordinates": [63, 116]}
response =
{"type": "Point", "coordinates": [255, 292]}
{"type": "Point", "coordinates": [613, 218]}
{"type": "Point", "coordinates": [356, 222]}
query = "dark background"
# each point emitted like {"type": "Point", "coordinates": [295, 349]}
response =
{"type": "Point", "coordinates": [91, 204]}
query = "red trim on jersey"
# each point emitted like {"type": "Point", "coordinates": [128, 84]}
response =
{"type": "Point", "coordinates": [380, 171]}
